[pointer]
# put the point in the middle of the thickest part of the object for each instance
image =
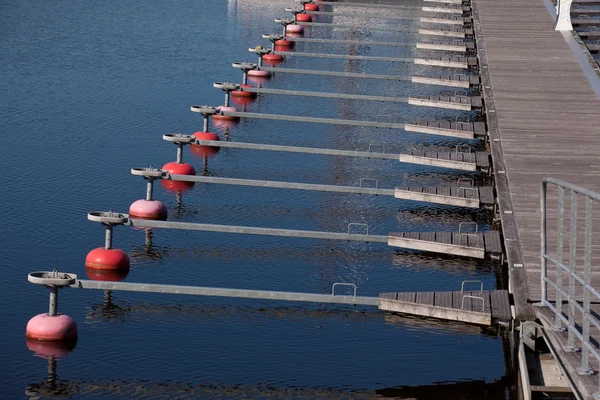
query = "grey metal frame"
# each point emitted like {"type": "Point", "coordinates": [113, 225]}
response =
{"type": "Point", "coordinates": [561, 322]}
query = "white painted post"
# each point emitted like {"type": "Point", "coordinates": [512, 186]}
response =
{"type": "Point", "coordinates": [563, 18]}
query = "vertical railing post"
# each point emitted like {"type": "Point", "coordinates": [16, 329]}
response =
{"type": "Point", "coordinates": [572, 262]}
{"type": "Point", "coordinates": [543, 250]}
{"type": "Point", "coordinates": [587, 278]}
{"type": "Point", "coordinates": [559, 257]}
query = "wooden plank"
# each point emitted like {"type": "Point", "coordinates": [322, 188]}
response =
{"type": "Point", "coordinates": [425, 298]}
{"type": "Point", "coordinates": [459, 303]}
{"type": "Point", "coordinates": [451, 314]}
{"type": "Point", "coordinates": [463, 251]}
{"type": "Point", "coordinates": [500, 305]}
{"type": "Point", "coordinates": [443, 299]}
{"type": "Point", "coordinates": [407, 296]}
{"type": "Point", "coordinates": [443, 237]}
{"type": "Point", "coordinates": [493, 244]}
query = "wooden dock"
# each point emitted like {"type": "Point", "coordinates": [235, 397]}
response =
{"type": "Point", "coordinates": [455, 243]}
{"type": "Point", "coordinates": [479, 160]}
{"type": "Point", "coordinates": [542, 114]}
{"type": "Point", "coordinates": [465, 103]}
{"type": "Point", "coordinates": [466, 130]}
{"type": "Point", "coordinates": [480, 308]}
{"type": "Point", "coordinates": [469, 197]}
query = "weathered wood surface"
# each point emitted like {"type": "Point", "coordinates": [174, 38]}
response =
{"type": "Point", "coordinates": [546, 114]}
{"type": "Point", "coordinates": [451, 102]}
{"type": "Point", "coordinates": [472, 197]}
{"type": "Point", "coordinates": [449, 159]}
{"type": "Point", "coordinates": [542, 120]}
{"type": "Point", "coordinates": [482, 308]}
{"type": "Point", "coordinates": [449, 242]}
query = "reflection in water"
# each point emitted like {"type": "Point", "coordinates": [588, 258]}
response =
{"type": "Point", "coordinates": [51, 386]}
{"type": "Point", "coordinates": [134, 388]}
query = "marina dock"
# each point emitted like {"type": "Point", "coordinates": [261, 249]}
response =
{"type": "Point", "coordinates": [515, 143]}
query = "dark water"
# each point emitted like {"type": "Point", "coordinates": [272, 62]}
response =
{"type": "Point", "coordinates": [88, 89]}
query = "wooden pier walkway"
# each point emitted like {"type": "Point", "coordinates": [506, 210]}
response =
{"type": "Point", "coordinates": [542, 115]}
{"type": "Point", "coordinates": [481, 307]}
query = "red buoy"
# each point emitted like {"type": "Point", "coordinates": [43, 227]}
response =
{"type": "Point", "coordinates": [257, 73]}
{"type": "Point", "coordinates": [239, 93]}
{"type": "Point", "coordinates": [51, 328]}
{"type": "Point", "coordinates": [303, 18]}
{"type": "Point", "coordinates": [221, 117]}
{"type": "Point", "coordinates": [177, 169]}
{"type": "Point", "coordinates": [148, 209]}
{"type": "Point", "coordinates": [107, 259]}
{"type": "Point", "coordinates": [272, 58]}
{"type": "Point", "coordinates": [284, 45]}
{"type": "Point", "coordinates": [293, 28]}
{"type": "Point", "coordinates": [242, 101]}
{"type": "Point", "coordinates": [205, 151]}
{"type": "Point", "coordinates": [311, 7]}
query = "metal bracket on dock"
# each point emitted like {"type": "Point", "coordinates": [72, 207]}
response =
{"type": "Point", "coordinates": [350, 225]}
{"type": "Point", "coordinates": [462, 286]}
{"type": "Point", "coordinates": [468, 296]}
{"type": "Point", "coordinates": [470, 188]}
{"type": "Point", "coordinates": [369, 180]}
{"type": "Point", "coordinates": [376, 145]}
{"type": "Point", "coordinates": [342, 284]}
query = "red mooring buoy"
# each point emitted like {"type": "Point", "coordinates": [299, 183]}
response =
{"type": "Point", "coordinates": [284, 45]}
{"type": "Point", "coordinates": [272, 58]}
{"type": "Point", "coordinates": [303, 18]}
{"type": "Point", "coordinates": [205, 151]}
{"type": "Point", "coordinates": [148, 209]}
{"type": "Point", "coordinates": [178, 169]}
{"type": "Point", "coordinates": [220, 117]}
{"type": "Point", "coordinates": [51, 328]}
{"type": "Point", "coordinates": [239, 93]}
{"type": "Point", "coordinates": [257, 73]}
{"type": "Point", "coordinates": [107, 259]}
{"type": "Point", "coordinates": [294, 28]}
{"type": "Point", "coordinates": [311, 7]}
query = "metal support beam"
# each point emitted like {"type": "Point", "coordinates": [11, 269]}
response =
{"type": "Point", "coordinates": [344, 56]}
{"type": "Point", "coordinates": [345, 41]}
{"type": "Point", "coordinates": [366, 28]}
{"type": "Point", "coordinates": [281, 185]}
{"type": "Point", "coordinates": [295, 118]}
{"type": "Point", "coordinates": [255, 231]}
{"type": "Point", "coordinates": [295, 149]}
{"type": "Point", "coordinates": [223, 292]}
{"type": "Point", "coordinates": [327, 95]}
{"type": "Point", "coordinates": [338, 74]}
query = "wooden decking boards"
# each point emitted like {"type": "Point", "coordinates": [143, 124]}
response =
{"type": "Point", "coordinates": [481, 307]}
{"type": "Point", "coordinates": [449, 159]}
{"type": "Point", "coordinates": [466, 103]}
{"type": "Point", "coordinates": [470, 197]}
{"type": "Point", "coordinates": [542, 121]}
{"type": "Point", "coordinates": [458, 81]}
{"type": "Point", "coordinates": [467, 130]}
{"type": "Point", "coordinates": [454, 243]}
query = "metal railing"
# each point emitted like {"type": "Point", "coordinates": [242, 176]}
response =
{"type": "Point", "coordinates": [566, 291]}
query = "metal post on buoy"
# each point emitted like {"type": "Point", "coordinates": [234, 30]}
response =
{"type": "Point", "coordinates": [52, 309]}
{"type": "Point", "coordinates": [285, 22]}
{"type": "Point", "coordinates": [149, 188]}
{"type": "Point", "coordinates": [52, 326]}
{"type": "Point", "coordinates": [108, 236]}
{"type": "Point", "coordinates": [227, 87]}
